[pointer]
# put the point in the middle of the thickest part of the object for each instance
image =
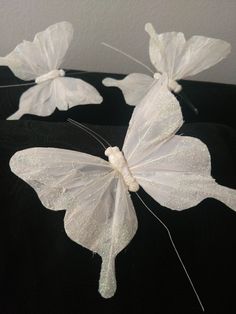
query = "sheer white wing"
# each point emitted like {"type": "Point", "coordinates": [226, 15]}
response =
{"type": "Point", "coordinates": [171, 53]}
{"type": "Point", "coordinates": [134, 86]}
{"type": "Point", "coordinates": [178, 175]}
{"type": "Point", "coordinates": [200, 53]}
{"type": "Point", "coordinates": [62, 93]}
{"type": "Point", "coordinates": [45, 53]}
{"type": "Point", "coordinates": [105, 222]}
{"type": "Point", "coordinates": [156, 119]}
{"type": "Point", "coordinates": [164, 49]}
{"type": "Point", "coordinates": [100, 214]}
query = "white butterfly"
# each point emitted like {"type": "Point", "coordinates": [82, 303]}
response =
{"type": "Point", "coordinates": [170, 53]}
{"type": "Point", "coordinates": [174, 170]}
{"type": "Point", "coordinates": [40, 60]}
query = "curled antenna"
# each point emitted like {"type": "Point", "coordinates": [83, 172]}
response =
{"type": "Point", "coordinates": [175, 249]}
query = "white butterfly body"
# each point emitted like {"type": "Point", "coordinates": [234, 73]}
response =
{"type": "Point", "coordinates": [174, 170]}
{"type": "Point", "coordinates": [40, 60]}
{"type": "Point", "coordinates": [170, 53]}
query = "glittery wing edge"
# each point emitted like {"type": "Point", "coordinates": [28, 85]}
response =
{"type": "Point", "coordinates": [99, 212]}
{"type": "Point", "coordinates": [156, 119]}
{"type": "Point", "coordinates": [178, 175]}
{"type": "Point", "coordinates": [117, 225]}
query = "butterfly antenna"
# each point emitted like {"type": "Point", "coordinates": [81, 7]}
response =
{"type": "Point", "coordinates": [17, 85]}
{"type": "Point", "coordinates": [183, 96]}
{"type": "Point", "coordinates": [129, 56]}
{"type": "Point", "coordinates": [90, 130]}
{"type": "Point", "coordinates": [95, 133]}
{"type": "Point", "coordinates": [87, 131]}
{"type": "Point", "coordinates": [175, 249]}
{"type": "Point", "coordinates": [92, 133]}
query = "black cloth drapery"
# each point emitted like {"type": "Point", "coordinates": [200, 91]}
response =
{"type": "Point", "coordinates": [43, 272]}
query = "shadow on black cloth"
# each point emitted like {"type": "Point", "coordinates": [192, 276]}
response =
{"type": "Point", "coordinates": [214, 101]}
{"type": "Point", "coordinates": [44, 272]}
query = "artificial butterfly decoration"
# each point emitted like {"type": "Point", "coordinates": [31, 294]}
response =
{"type": "Point", "coordinates": [174, 170]}
{"type": "Point", "coordinates": [40, 60]}
{"type": "Point", "coordinates": [170, 53]}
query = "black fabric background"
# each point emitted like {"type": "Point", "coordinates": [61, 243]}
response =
{"type": "Point", "coordinates": [43, 272]}
{"type": "Point", "coordinates": [215, 102]}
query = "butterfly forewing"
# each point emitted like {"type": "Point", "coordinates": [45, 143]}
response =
{"type": "Point", "coordinates": [45, 53]}
{"type": "Point", "coordinates": [58, 170]}
{"type": "Point", "coordinates": [165, 50]}
{"type": "Point", "coordinates": [199, 54]}
{"type": "Point", "coordinates": [170, 53]}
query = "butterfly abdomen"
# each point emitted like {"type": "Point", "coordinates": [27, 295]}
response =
{"type": "Point", "coordinates": [50, 76]}
{"type": "Point", "coordinates": [118, 162]}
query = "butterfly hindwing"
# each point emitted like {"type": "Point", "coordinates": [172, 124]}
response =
{"type": "Point", "coordinates": [156, 119]}
{"type": "Point", "coordinates": [178, 175]}
{"type": "Point", "coordinates": [134, 86]}
{"type": "Point", "coordinates": [103, 221]}
{"type": "Point", "coordinates": [70, 92]}
{"type": "Point", "coordinates": [62, 93]}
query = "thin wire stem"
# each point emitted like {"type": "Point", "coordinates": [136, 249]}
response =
{"type": "Point", "coordinates": [175, 249]}
{"type": "Point", "coordinates": [80, 72]}
{"type": "Point", "coordinates": [17, 85]}
{"type": "Point", "coordinates": [188, 102]}
{"type": "Point", "coordinates": [33, 83]}
{"type": "Point", "coordinates": [92, 133]}
{"type": "Point", "coordinates": [129, 56]}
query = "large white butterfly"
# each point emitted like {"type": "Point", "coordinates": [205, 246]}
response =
{"type": "Point", "coordinates": [40, 60]}
{"type": "Point", "coordinates": [170, 53]}
{"type": "Point", "coordinates": [174, 170]}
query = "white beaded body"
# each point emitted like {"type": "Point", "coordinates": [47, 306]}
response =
{"type": "Point", "coordinates": [172, 85]}
{"type": "Point", "coordinates": [119, 163]}
{"type": "Point", "coordinates": [50, 76]}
